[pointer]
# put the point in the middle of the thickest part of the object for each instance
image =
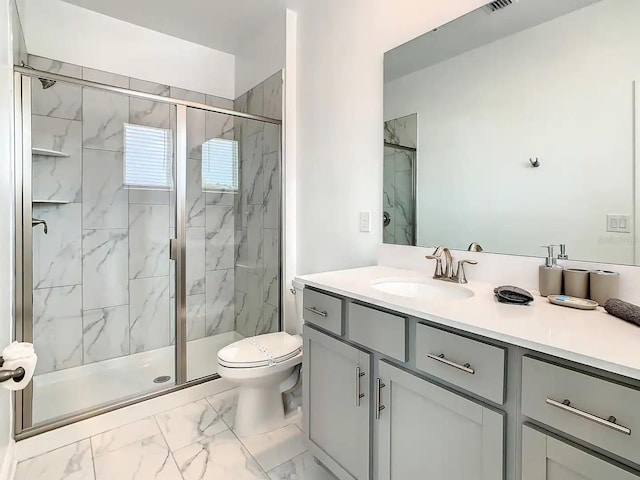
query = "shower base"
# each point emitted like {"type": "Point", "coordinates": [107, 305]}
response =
{"type": "Point", "coordinates": [77, 389]}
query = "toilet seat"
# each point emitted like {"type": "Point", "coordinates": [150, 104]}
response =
{"type": "Point", "coordinates": [260, 351]}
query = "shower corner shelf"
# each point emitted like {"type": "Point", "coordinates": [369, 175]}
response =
{"type": "Point", "coordinates": [51, 202]}
{"type": "Point", "coordinates": [44, 152]}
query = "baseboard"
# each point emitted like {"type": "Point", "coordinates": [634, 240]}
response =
{"type": "Point", "coordinates": [8, 470]}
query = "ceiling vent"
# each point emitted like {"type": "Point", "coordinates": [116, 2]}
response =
{"type": "Point", "coordinates": [498, 5]}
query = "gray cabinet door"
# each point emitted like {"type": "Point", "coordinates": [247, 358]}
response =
{"type": "Point", "coordinates": [425, 431]}
{"type": "Point", "coordinates": [336, 404]}
{"type": "Point", "coordinates": [546, 458]}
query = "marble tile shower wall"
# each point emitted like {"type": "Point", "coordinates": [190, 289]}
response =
{"type": "Point", "coordinates": [103, 282]}
{"type": "Point", "coordinates": [257, 211]}
{"type": "Point", "coordinates": [398, 179]}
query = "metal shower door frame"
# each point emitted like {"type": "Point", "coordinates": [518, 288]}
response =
{"type": "Point", "coordinates": [23, 326]}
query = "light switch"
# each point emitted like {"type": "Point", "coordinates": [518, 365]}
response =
{"type": "Point", "coordinates": [365, 222]}
{"type": "Point", "coordinates": [622, 223]}
{"type": "Point", "coordinates": [618, 223]}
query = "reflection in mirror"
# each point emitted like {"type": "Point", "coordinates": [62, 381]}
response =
{"type": "Point", "coordinates": [525, 128]}
{"type": "Point", "coordinates": [400, 137]}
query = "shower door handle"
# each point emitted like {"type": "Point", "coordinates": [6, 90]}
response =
{"type": "Point", "coordinates": [172, 249]}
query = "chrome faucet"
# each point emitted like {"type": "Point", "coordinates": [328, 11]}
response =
{"type": "Point", "coordinates": [448, 275]}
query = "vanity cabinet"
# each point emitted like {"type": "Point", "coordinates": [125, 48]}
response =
{"type": "Point", "coordinates": [425, 431]}
{"type": "Point", "coordinates": [422, 430]}
{"type": "Point", "coordinates": [392, 397]}
{"type": "Point", "coordinates": [336, 383]}
{"type": "Point", "coordinates": [547, 458]}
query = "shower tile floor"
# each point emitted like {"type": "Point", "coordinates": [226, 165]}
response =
{"type": "Point", "coordinates": [192, 442]}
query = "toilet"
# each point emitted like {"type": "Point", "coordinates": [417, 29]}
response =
{"type": "Point", "coordinates": [263, 368]}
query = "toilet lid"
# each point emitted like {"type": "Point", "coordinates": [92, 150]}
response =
{"type": "Point", "coordinates": [260, 351]}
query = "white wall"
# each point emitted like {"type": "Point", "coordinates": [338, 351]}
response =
{"type": "Point", "coordinates": [556, 91]}
{"type": "Point", "coordinates": [340, 89]}
{"type": "Point", "coordinates": [261, 57]}
{"type": "Point", "coordinates": [6, 224]}
{"type": "Point", "coordinates": [65, 32]}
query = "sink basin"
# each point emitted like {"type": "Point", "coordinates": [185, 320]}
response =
{"type": "Point", "coordinates": [427, 291]}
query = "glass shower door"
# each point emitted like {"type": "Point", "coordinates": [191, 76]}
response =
{"type": "Point", "coordinates": [103, 204]}
{"type": "Point", "coordinates": [232, 233]}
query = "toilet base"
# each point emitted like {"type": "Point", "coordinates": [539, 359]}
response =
{"type": "Point", "coordinates": [260, 410]}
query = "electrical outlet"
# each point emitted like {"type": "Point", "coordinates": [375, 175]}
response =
{"type": "Point", "coordinates": [618, 223]}
{"type": "Point", "coordinates": [365, 222]}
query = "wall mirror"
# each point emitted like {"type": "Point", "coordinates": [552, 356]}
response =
{"type": "Point", "coordinates": [516, 126]}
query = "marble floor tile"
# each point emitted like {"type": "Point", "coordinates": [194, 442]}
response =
{"type": "Point", "coordinates": [73, 462]}
{"type": "Point", "coordinates": [148, 459]}
{"type": "Point", "coordinates": [274, 448]}
{"type": "Point", "coordinates": [302, 467]}
{"type": "Point", "coordinates": [219, 457]}
{"type": "Point", "coordinates": [225, 405]}
{"type": "Point", "coordinates": [117, 438]}
{"type": "Point", "coordinates": [190, 423]}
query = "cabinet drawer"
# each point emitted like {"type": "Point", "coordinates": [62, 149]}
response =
{"type": "Point", "coordinates": [379, 331]}
{"type": "Point", "coordinates": [597, 411]}
{"type": "Point", "coordinates": [323, 310]}
{"type": "Point", "coordinates": [469, 364]}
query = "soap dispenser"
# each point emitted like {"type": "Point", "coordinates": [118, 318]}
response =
{"type": "Point", "coordinates": [550, 275]}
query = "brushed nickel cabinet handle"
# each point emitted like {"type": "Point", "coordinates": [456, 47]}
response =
{"type": "Point", "coordinates": [359, 395]}
{"type": "Point", "coordinates": [605, 422]}
{"type": "Point", "coordinates": [379, 406]}
{"type": "Point", "coordinates": [441, 358]}
{"type": "Point", "coordinates": [316, 311]}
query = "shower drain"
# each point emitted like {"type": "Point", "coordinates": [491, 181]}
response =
{"type": "Point", "coordinates": [162, 379]}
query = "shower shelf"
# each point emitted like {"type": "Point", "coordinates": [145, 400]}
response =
{"type": "Point", "coordinates": [53, 202]}
{"type": "Point", "coordinates": [43, 152]}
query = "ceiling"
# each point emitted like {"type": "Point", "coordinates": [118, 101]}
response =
{"type": "Point", "coordinates": [224, 25]}
{"type": "Point", "coordinates": [472, 31]}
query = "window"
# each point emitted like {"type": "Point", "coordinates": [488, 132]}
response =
{"type": "Point", "coordinates": [148, 157]}
{"type": "Point", "coordinates": [220, 165]}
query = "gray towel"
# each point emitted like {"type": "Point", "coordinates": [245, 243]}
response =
{"type": "Point", "coordinates": [624, 310]}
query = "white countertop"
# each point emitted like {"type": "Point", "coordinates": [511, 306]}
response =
{"type": "Point", "coordinates": [592, 338]}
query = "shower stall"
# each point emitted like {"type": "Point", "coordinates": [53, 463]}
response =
{"type": "Point", "coordinates": [148, 235]}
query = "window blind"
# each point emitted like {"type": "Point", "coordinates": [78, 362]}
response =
{"type": "Point", "coordinates": [220, 165]}
{"type": "Point", "coordinates": [148, 155]}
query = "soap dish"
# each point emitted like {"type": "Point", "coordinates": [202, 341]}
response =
{"type": "Point", "coordinates": [573, 302]}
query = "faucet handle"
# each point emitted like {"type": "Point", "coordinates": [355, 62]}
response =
{"type": "Point", "coordinates": [438, 259]}
{"type": "Point", "coordinates": [460, 275]}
